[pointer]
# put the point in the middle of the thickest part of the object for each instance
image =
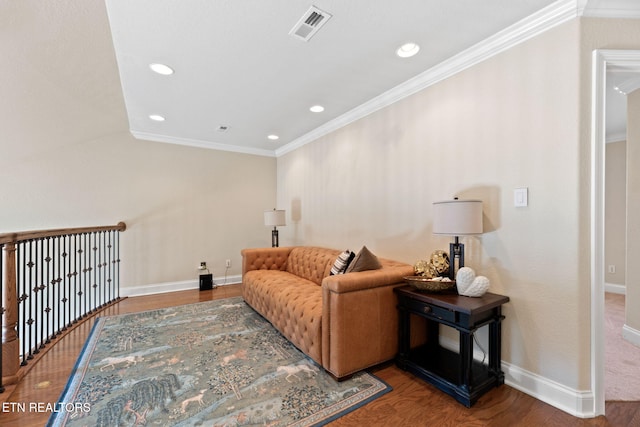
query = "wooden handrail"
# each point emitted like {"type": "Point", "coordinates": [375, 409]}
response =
{"type": "Point", "coordinates": [29, 235]}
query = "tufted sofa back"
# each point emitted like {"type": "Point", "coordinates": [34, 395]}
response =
{"type": "Point", "coordinates": [311, 263]}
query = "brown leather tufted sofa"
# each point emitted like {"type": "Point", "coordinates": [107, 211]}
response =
{"type": "Point", "coordinates": [345, 322]}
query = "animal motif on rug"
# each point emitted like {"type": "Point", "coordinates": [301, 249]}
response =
{"type": "Point", "coordinates": [232, 305]}
{"type": "Point", "coordinates": [145, 396]}
{"type": "Point", "coordinates": [292, 370]}
{"type": "Point", "coordinates": [141, 418]}
{"type": "Point", "coordinates": [197, 399]}
{"type": "Point", "coordinates": [167, 316]}
{"type": "Point", "coordinates": [240, 354]}
{"type": "Point", "coordinates": [113, 361]}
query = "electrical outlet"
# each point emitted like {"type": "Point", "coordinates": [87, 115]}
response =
{"type": "Point", "coordinates": [227, 263]}
{"type": "Point", "coordinates": [203, 265]}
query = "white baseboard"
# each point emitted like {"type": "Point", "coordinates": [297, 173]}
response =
{"type": "Point", "coordinates": [161, 288]}
{"type": "Point", "coordinates": [615, 289]}
{"type": "Point", "coordinates": [577, 403]}
{"type": "Point", "coordinates": [631, 335]}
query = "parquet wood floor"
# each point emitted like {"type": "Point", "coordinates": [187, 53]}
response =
{"type": "Point", "coordinates": [411, 403]}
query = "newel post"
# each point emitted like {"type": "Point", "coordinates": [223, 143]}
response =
{"type": "Point", "coordinates": [10, 345]}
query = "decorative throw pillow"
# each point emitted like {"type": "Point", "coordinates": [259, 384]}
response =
{"type": "Point", "coordinates": [342, 262]}
{"type": "Point", "coordinates": [365, 260]}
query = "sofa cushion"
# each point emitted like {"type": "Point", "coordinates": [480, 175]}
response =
{"type": "Point", "coordinates": [293, 306]}
{"type": "Point", "coordinates": [365, 260]}
{"type": "Point", "coordinates": [311, 263]}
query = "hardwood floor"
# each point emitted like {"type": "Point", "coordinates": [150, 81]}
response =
{"type": "Point", "coordinates": [411, 403]}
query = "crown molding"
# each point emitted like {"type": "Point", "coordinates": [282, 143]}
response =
{"type": "Point", "coordinates": [609, 8]}
{"type": "Point", "coordinates": [529, 27]}
{"type": "Point", "coordinates": [630, 85]}
{"type": "Point", "coordinates": [618, 137]}
{"type": "Point", "coordinates": [201, 144]}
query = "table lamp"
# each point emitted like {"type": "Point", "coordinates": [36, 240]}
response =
{"type": "Point", "coordinates": [457, 218]}
{"type": "Point", "coordinates": [274, 218]}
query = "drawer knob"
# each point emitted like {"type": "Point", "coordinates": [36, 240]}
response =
{"type": "Point", "coordinates": [427, 310]}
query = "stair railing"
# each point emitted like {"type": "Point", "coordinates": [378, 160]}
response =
{"type": "Point", "coordinates": [51, 279]}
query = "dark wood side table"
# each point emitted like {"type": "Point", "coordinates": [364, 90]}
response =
{"type": "Point", "coordinates": [457, 374]}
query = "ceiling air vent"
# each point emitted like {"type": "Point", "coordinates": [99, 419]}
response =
{"type": "Point", "coordinates": [310, 23]}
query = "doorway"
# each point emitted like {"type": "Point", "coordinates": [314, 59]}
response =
{"type": "Point", "coordinates": [603, 61]}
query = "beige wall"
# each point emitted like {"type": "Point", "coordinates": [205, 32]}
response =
{"type": "Point", "coordinates": [520, 119]}
{"type": "Point", "coordinates": [181, 205]}
{"type": "Point", "coordinates": [615, 211]}
{"type": "Point", "coordinates": [509, 122]}
{"type": "Point", "coordinates": [633, 210]}
{"type": "Point", "coordinates": [67, 158]}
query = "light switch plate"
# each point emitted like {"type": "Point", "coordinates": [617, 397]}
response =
{"type": "Point", "coordinates": [521, 197]}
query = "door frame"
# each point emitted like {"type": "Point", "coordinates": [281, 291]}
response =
{"type": "Point", "coordinates": [602, 60]}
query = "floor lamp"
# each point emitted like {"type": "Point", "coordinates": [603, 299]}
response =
{"type": "Point", "coordinates": [274, 218]}
{"type": "Point", "coordinates": [457, 218]}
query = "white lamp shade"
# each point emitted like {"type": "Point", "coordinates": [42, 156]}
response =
{"type": "Point", "coordinates": [457, 217]}
{"type": "Point", "coordinates": [274, 218]}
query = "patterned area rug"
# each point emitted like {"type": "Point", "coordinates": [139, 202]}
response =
{"type": "Point", "coordinates": [217, 363]}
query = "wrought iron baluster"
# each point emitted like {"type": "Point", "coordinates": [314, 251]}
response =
{"type": "Point", "coordinates": [95, 270]}
{"type": "Point", "coordinates": [33, 298]}
{"type": "Point", "coordinates": [22, 306]}
{"type": "Point", "coordinates": [64, 277]}
{"type": "Point", "coordinates": [67, 288]}
{"type": "Point", "coordinates": [58, 279]}
{"type": "Point", "coordinates": [53, 287]}
{"type": "Point", "coordinates": [85, 274]}
{"type": "Point", "coordinates": [46, 283]}
{"type": "Point", "coordinates": [104, 270]}
{"type": "Point", "coordinates": [74, 277]}
{"type": "Point", "coordinates": [109, 266]}
{"type": "Point", "coordinates": [41, 287]}
{"type": "Point", "coordinates": [117, 265]}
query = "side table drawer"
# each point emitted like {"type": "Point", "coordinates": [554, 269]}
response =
{"type": "Point", "coordinates": [429, 310]}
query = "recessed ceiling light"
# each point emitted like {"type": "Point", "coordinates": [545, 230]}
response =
{"type": "Point", "coordinates": [156, 118]}
{"type": "Point", "coordinates": [165, 70]}
{"type": "Point", "coordinates": [273, 137]}
{"type": "Point", "coordinates": [317, 109]}
{"type": "Point", "coordinates": [620, 91]}
{"type": "Point", "coordinates": [407, 50]}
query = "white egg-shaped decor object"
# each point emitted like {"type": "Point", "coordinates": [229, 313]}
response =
{"type": "Point", "coordinates": [478, 287]}
{"type": "Point", "coordinates": [464, 279]}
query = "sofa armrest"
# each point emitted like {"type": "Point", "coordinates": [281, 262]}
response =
{"type": "Point", "coordinates": [360, 319]}
{"type": "Point", "coordinates": [352, 282]}
{"type": "Point", "coordinates": [264, 259]}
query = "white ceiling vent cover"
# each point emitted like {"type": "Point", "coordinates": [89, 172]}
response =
{"type": "Point", "coordinates": [310, 23]}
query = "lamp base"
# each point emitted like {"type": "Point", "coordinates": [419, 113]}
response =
{"type": "Point", "coordinates": [456, 252]}
{"type": "Point", "coordinates": [274, 238]}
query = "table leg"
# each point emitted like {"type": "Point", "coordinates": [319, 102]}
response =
{"type": "Point", "coordinates": [404, 336]}
{"type": "Point", "coordinates": [495, 348]}
{"type": "Point", "coordinates": [466, 359]}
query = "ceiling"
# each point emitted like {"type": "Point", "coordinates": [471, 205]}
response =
{"type": "Point", "coordinates": [620, 82]}
{"type": "Point", "coordinates": [239, 75]}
